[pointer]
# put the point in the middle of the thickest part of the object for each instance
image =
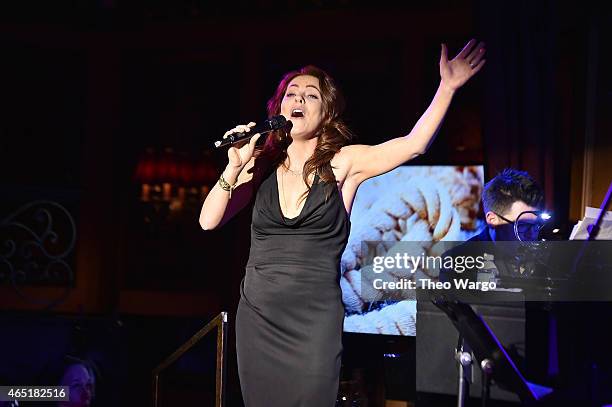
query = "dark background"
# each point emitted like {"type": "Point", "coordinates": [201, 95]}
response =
{"type": "Point", "coordinates": [87, 87]}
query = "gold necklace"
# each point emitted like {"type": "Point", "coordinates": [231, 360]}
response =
{"type": "Point", "coordinates": [283, 193]}
{"type": "Point", "coordinates": [293, 171]}
{"type": "Point", "coordinates": [283, 190]}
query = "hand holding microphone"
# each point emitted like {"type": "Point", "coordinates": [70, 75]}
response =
{"type": "Point", "coordinates": [240, 133]}
{"type": "Point", "coordinates": [242, 149]}
{"type": "Point", "coordinates": [240, 152]}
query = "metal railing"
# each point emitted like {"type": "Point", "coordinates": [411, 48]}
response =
{"type": "Point", "coordinates": [219, 322]}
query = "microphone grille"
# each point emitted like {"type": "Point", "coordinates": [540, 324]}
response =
{"type": "Point", "coordinates": [278, 122]}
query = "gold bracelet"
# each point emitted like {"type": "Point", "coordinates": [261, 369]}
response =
{"type": "Point", "coordinates": [226, 186]}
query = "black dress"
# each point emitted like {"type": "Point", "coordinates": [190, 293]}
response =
{"type": "Point", "coordinates": [290, 316]}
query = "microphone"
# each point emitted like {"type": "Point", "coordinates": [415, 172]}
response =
{"type": "Point", "coordinates": [274, 123]}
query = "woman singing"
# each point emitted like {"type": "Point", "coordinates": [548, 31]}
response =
{"type": "Point", "coordinates": [304, 180]}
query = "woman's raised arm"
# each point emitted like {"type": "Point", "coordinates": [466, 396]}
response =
{"type": "Point", "coordinates": [369, 161]}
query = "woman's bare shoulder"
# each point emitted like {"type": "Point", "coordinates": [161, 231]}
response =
{"type": "Point", "coordinates": [341, 163]}
{"type": "Point", "coordinates": [342, 157]}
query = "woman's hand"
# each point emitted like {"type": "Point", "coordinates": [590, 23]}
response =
{"type": "Point", "coordinates": [466, 64]}
{"type": "Point", "coordinates": [240, 153]}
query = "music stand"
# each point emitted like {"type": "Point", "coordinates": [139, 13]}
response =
{"type": "Point", "coordinates": [491, 356]}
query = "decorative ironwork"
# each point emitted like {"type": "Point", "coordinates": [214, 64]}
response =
{"type": "Point", "coordinates": [36, 242]}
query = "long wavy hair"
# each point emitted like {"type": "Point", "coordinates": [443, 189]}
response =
{"type": "Point", "coordinates": [331, 135]}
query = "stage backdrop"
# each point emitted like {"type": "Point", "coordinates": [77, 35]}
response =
{"type": "Point", "coordinates": [410, 203]}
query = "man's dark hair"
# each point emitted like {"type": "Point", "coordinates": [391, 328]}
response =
{"type": "Point", "coordinates": [508, 187]}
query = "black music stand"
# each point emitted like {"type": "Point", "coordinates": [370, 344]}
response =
{"type": "Point", "coordinates": [491, 356]}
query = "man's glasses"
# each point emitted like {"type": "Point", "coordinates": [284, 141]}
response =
{"type": "Point", "coordinates": [527, 228]}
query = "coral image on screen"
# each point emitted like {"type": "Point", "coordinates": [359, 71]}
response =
{"type": "Point", "coordinates": [410, 203]}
